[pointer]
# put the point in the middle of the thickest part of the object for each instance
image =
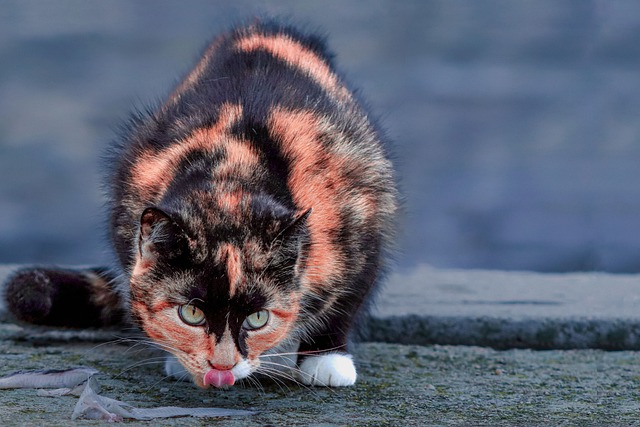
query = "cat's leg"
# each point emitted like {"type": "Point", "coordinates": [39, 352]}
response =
{"type": "Point", "coordinates": [64, 297]}
{"type": "Point", "coordinates": [324, 360]}
{"type": "Point", "coordinates": [174, 369]}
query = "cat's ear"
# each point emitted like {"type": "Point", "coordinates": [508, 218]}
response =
{"type": "Point", "coordinates": [296, 227]}
{"type": "Point", "coordinates": [293, 236]}
{"type": "Point", "coordinates": [295, 240]}
{"type": "Point", "coordinates": [160, 237]}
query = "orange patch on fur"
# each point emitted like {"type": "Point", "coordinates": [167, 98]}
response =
{"type": "Point", "coordinates": [240, 160]}
{"type": "Point", "coordinates": [152, 333]}
{"type": "Point", "coordinates": [138, 307]}
{"type": "Point", "coordinates": [165, 329]}
{"type": "Point", "coordinates": [316, 182]}
{"type": "Point", "coordinates": [296, 55]}
{"type": "Point", "coordinates": [230, 201]}
{"type": "Point", "coordinates": [230, 255]}
{"type": "Point", "coordinates": [152, 172]}
{"type": "Point", "coordinates": [167, 332]}
{"type": "Point", "coordinates": [142, 264]}
{"type": "Point", "coordinates": [161, 305]}
{"type": "Point", "coordinates": [286, 315]}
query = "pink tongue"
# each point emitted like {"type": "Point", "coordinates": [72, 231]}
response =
{"type": "Point", "coordinates": [218, 378]}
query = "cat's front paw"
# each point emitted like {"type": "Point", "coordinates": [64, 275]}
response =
{"type": "Point", "coordinates": [329, 370]}
{"type": "Point", "coordinates": [174, 369]}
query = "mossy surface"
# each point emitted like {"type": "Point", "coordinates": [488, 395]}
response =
{"type": "Point", "coordinates": [397, 385]}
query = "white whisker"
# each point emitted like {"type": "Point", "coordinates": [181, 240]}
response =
{"type": "Point", "coordinates": [279, 373]}
{"type": "Point", "coordinates": [153, 361]}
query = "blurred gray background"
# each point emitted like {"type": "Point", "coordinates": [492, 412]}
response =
{"type": "Point", "coordinates": [515, 124]}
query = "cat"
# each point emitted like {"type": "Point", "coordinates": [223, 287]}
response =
{"type": "Point", "coordinates": [251, 211]}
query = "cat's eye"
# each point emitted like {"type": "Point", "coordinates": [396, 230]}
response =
{"type": "Point", "coordinates": [256, 320]}
{"type": "Point", "coordinates": [191, 315]}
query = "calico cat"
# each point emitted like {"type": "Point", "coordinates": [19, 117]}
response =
{"type": "Point", "coordinates": [249, 212]}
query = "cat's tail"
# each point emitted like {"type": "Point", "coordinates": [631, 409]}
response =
{"type": "Point", "coordinates": [76, 298]}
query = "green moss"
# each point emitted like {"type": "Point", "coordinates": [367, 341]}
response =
{"type": "Point", "coordinates": [442, 390]}
{"type": "Point", "coordinates": [73, 359]}
{"type": "Point", "coordinates": [36, 357]}
{"type": "Point", "coordinates": [31, 411]}
{"type": "Point", "coordinates": [412, 355]}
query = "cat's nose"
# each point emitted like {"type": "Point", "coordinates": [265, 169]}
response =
{"type": "Point", "coordinates": [221, 367]}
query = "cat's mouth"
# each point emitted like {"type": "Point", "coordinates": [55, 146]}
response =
{"type": "Point", "coordinates": [219, 378]}
{"type": "Point", "coordinates": [223, 378]}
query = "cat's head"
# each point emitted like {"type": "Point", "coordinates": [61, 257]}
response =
{"type": "Point", "coordinates": [219, 295]}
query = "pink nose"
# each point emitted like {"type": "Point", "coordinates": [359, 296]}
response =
{"type": "Point", "coordinates": [219, 378]}
{"type": "Point", "coordinates": [221, 367]}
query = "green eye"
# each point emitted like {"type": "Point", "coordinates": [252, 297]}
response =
{"type": "Point", "coordinates": [256, 320]}
{"type": "Point", "coordinates": [191, 315]}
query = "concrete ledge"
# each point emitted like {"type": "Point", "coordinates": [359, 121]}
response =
{"type": "Point", "coordinates": [509, 310]}
{"type": "Point", "coordinates": [506, 333]}
{"type": "Point", "coordinates": [487, 308]}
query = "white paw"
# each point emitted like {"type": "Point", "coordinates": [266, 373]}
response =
{"type": "Point", "coordinates": [329, 370]}
{"type": "Point", "coordinates": [174, 369]}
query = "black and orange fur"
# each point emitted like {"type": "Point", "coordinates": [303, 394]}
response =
{"type": "Point", "coordinates": [260, 183]}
